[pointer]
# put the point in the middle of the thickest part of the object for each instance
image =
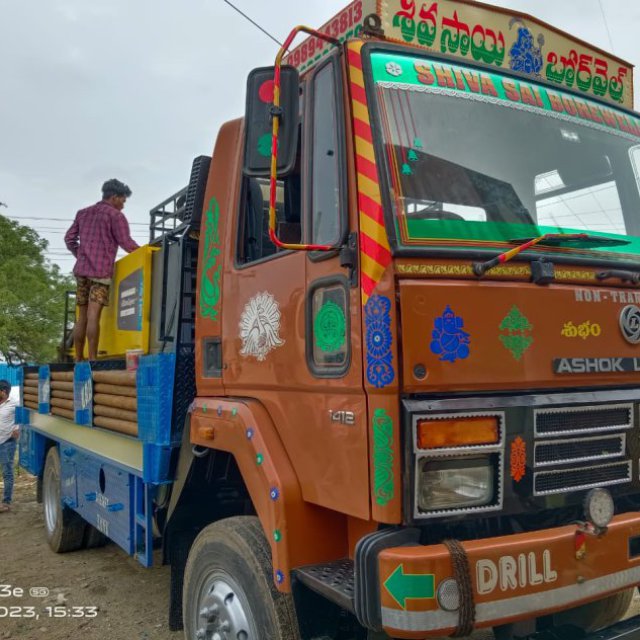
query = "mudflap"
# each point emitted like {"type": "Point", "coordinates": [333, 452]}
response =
{"type": "Point", "coordinates": [625, 630]}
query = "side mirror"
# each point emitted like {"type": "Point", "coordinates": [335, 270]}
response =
{"type": "Point", "coordinates": [258, 121]}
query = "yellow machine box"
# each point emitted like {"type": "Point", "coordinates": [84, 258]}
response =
{"type": "Point", "coordinates": [125, 322]}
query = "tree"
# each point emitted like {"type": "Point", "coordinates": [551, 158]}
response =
{"type": "Point", "coordinates": [32, 296]}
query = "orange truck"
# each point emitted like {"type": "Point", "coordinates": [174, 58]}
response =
{"type": "Point", "coordinates": [390, 387]}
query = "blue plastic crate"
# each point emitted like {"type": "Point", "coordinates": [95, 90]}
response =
{"type": "Point", "coordinates": [156, 463]}
{"type": "Point", "coordinates": [83, 394]}
{"type": "Point", "coordinates": [155, 382]}
{"type": "Point", "coordinates": [32, 446]}
{"type": "Point", "coordinates": [13, 375]}
{"type": "Point", "coordinates": [44, 389]}
{"type": "Point", "coordinates": [22, 416]}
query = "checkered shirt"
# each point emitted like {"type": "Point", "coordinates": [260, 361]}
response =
{"type": "Point", "coordinates": [94, 238]}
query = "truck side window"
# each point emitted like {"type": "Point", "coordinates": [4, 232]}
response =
{"type": "Point", "coordinates": [255, 243]}
{"type": "Point", "coordinates": [328, 332]}
{"type": "Point", "coordinates": [325, 196]}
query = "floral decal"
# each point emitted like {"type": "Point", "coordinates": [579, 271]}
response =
{"type": "Point", "coordinates": [383, 457]}
{"type": "Point", "coordinates": [380, 371]}
{"type": "Point", "coordinates": [518, 459]}
{"type": "Point", "coordinates": [516, 333]}
{"type": "Point", "coordinates": [525, 56]}
{"type": "Point", "coordinates": [260, 327]}
{"type": "Point", "coordinates": [212, 269]}
{"type": "Point", "coordinates": [393, 69]}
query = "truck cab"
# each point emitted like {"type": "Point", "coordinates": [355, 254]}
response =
{"type": "Point", "coordinates": [457, 375]}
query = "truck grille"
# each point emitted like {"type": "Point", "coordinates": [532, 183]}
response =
{"type": "Point", "coordinates": [561, 481]}
{"type": "Point", "coordinates": [576, 420]}
{"type": "Point", "coordinates": [583, 434]}
{"type": "Point", "coordinates": [560, 451]}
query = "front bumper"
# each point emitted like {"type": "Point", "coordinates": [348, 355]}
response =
{"type": "Point", "coordinates": [512, 578]}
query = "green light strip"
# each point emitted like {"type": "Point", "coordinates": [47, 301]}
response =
{"type": "Point", "coordinates": [440, 77]}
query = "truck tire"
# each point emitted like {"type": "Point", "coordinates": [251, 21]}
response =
{"type": "Point", "coordinates": [228, 586]}
{"type": "Point", "coordinates": [93, 538]}
{"type": "Point", "coordinates": [597, 615]}
{"type": "Point", "coordinates": [63, 527]}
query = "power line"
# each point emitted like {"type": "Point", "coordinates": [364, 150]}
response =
{"type": "Point", "coordinates": [138, 233]}
{"type": "Point", "coordinates": [253, 22]}
{"type": "Point", "coordinates": [606, 24]}
{"type": "Point", "coordinates": [137, 224]}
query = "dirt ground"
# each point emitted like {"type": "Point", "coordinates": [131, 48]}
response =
{"type": "Point", "coordinates": [130, 602]}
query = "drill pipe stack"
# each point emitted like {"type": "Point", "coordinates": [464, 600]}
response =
{"type": "Point", "coordinates": [61, 399]}
{"type": "Point", "coordinates": [115, 401]}
{"type": "Point", "coordinates": [30, 391]}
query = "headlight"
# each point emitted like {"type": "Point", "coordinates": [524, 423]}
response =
{"type": "Point", "coordinates": [455, 484]}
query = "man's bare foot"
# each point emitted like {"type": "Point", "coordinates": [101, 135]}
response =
{"type": "Point", "coordinates": [4, 507]}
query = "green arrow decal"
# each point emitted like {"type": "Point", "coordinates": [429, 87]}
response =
{"type": "Point", "coordinates": [407, 586]}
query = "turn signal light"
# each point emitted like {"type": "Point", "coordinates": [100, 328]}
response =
{"type": "Point", "coordinates": [458, 432]}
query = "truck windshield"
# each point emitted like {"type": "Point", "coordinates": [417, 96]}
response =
{"type": "Point", "coordinates": [477, 158]}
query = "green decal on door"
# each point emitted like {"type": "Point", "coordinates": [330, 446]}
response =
{"type": "Point", "coordinates": [383, 457]}
{"type": "Point", "coordinates": [330, 327]}
{"type": "Point", "coordinates": [211, 270]}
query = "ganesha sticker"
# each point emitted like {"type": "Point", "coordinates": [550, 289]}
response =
{"type": "Point", "coordinates": [260, 326]}
{"type": "Point", "coordinates": [449, 341]}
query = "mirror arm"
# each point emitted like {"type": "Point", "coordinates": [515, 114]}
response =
{"type": "Point", "coordinates": [276, 115]}
{"type": "Point", "coordinates": [349, 258]}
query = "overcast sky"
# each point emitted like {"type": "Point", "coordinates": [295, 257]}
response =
{"type": "Point", "coordinates": [135, 89]}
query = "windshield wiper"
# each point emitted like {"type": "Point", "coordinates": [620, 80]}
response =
{"type": "Point", "coordinates": [625, 276]}
{"type": "Point", "coordinates": [584, 239]}
{"type": "Point", "coordinates": [550, 239]}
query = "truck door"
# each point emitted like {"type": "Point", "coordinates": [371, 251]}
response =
{"type": "Point", "coordinates": [291, 319]}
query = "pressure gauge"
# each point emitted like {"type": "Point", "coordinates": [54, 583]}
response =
{"type": "Point", "coordinates": [599, 507]}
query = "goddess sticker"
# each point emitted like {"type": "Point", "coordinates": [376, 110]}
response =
{"type": "Point", "coordinates": [260, 327]}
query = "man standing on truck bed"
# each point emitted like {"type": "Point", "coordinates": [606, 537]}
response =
{"type": "Point", "coordinates": [94, 238]}
{"type": "Point", "coordinates": [8, 441]}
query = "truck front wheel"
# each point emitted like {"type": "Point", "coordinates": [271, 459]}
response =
{"type": "Point", "coordinates": [597, 615]}
{"type": "Point", "coordinates": [228, 586]}
{"type": "Point", "coordinates": [64, 528]}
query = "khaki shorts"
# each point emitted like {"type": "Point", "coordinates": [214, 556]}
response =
{"type": "Point", "coordinates": [91, 291]}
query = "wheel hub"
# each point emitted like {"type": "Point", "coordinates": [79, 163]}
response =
{"type": "Point", "coordinates": [223, 612]}
{"type": "Point", "coordinates": [51, 499]}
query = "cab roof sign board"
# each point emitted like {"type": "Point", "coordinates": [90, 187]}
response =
{"type": "Point", "coordinates": [482, 34]}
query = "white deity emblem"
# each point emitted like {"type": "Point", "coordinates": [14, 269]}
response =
{"type": "Point", "coordinates": [260, 326]}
